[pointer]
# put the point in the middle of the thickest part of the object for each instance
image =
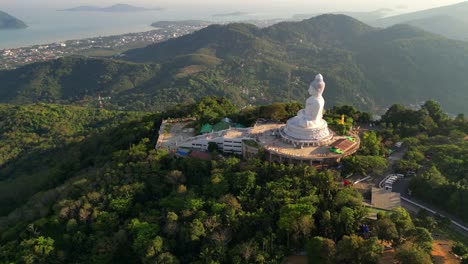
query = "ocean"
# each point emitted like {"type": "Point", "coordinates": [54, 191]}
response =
{"type": "Point", "coordinates": [49, 25]}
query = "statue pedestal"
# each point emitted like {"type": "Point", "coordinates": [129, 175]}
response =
{"type": "Point", "coordinates": [296, 133]}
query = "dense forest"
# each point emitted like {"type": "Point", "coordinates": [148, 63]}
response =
{"type": "Point", "coordinates": [115, 199]}
{"type": "Point", "coordinates": [437, 152]}
{"type": "Point", "coordinates": [41, 145]}
{"type": "Point", "coordinates": [366, 67]}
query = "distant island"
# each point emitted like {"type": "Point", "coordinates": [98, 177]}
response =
{"type": "Point", "coordinates": [233, 14]}
{"type": "Point", "coordinates": [118, 8]}
{"type": "Point", "coordinates": [9, 22]}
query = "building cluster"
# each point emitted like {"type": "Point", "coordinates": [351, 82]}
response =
{"type": "Point", "coordinates": [13, 58]}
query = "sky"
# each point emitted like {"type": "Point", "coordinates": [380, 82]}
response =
{"type": "Point", "coordinates": [306, 6]}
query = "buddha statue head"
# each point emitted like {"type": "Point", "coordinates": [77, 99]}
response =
{"type": "Point", "coordinates": [317, 86]}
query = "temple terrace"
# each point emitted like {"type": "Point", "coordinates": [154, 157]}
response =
{"type": "Point", "coordinates": [304, 139]}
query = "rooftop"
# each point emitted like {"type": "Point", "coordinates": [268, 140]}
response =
{"type": "Point", "coordinates": [344, 144]}
{"type": "Point", "coordinates": [175, 133]}
{"type": "Point", "coordinates": [384, 199]}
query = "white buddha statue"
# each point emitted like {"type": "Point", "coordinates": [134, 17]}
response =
{"type": "Point", "coordinates": [312, 115]}
{"type": "Point", "coordinates": [309, 124]}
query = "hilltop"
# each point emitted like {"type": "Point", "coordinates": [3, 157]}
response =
{"type": "Point", "coordinates": [9, 22]}
{"type": "Point", "coordinates": [366, 17]}
{"type": "Point", "coordinates": [88, 186]}
{"type": "Point", "coordinates": [114, 8]}
{"type": "Point", "coordinates": [368, 67]}
{"type": "Point", "coordinates": [449, 21]}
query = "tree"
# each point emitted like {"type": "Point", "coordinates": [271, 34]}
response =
{"type": "Point", "coordinates": [166, 258]}
{"type": "Point", "coordinates": [386, 230]}
{"type": "Point", "coordinates": [403, 166]}
{"type": "Point", "coordinates": [422, 238]}
{"type": "Point", "coordinates": [435, 111]}
{"type": "Point", "coordinates": [460, 249]}
{"type": "Point", "coordinates": [365, 165]}
{"type": "Point", "coordinates": [425, 220]}
{"type": "Point", "coordinates": [197, 230]}
{"type": "Point", "coordinates": [347, 221]}
{"type": "Point", "coordinates": [276, 112]}
{"type": "Point", "coordinates": [243, 181]}
{"type": "Point", "coordinates": [44, 246]}
{"type": "Point", "coordinates": [212, 109]}
{"type": "Point", "coordinates": [320, 250]}
{"type": "Point", "coordinates": [155, 247]}
{"type": "Point", "coordinates": [371, 145]}
{"type": "Point", "coordinates": [355, 250]}
{"type": "Point", "coordinates": [412, 255]}
{"type": "Point", "coordinates": [106, 222]}
{"type": "Point", "coordinates": [297, 218]}
{"type": "Point", "coordinates": [402, 220]}
{"type": "Point", "coordinates": [171, 226]}
{"type": "Point", "coordinates": [143, 234]}
{"type": "Point", "coordinates": [175, 177]}
{"type": "Point", "coordinates": [37, 249]}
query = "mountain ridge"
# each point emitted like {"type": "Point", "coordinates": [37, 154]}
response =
{"type": "Point", "coordinates": [368, 67]}
{"type": "Point", "coordinates": [8, 21]}
{"type": "Point", "coordinates": [449, 21]}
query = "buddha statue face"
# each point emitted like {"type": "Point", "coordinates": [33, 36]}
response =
{"type": "Point", "coordinates": [317, 87]}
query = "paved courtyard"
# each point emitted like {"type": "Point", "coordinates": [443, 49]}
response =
{"type": "Point", "coordinates": [267, 136]}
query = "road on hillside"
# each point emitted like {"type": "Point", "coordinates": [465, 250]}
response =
{"type": "Point", "coordinates": [392, 159]}
{"type": "Point", "coordinates": [401, 187]}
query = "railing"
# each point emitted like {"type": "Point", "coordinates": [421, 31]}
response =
{"type": "Point", "coordinates": [434, 212]}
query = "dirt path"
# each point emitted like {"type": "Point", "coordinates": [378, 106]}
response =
{"type": "Point", "coordinates": [441, 252]}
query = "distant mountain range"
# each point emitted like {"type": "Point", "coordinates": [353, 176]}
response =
{"type": "Point", "coordinates": [9, 22]}
{"type": "Point", "coordinates": [449, 21]}
{"type": "Point", "coordinates": [367, 67]}
{"type": "Point", "coordinates": [114, 8]}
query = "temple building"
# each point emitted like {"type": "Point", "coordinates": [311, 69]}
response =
{"type": "Point", "coordinates": [305, 138]}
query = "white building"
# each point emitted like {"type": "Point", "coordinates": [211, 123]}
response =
{"type": "Point", "coordinates": [228, 141]}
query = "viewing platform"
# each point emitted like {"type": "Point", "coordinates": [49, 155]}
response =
{"type": "Point", "coordinates": [269, 137]}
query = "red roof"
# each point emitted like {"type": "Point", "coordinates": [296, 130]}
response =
{"type": "Point", "coordinates": [200, 155]}
{"type": "Point", "coordinates": [344, 144]}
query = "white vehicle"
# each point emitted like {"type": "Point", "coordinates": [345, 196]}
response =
{"type": "Point", "coordinates": [389, 182]}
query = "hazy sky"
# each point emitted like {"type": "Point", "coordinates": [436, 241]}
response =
{"type": "Point", "coordinates": [306, 6]}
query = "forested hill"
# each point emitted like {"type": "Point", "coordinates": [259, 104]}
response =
{"type": "Point", "coordinates": [103, 194]}
{"type": "Point", "coordinates": [73, 80]}
{"type": "Point", "coordinates": [375, 66]}
{"type": "Point", "coordinates": [364, 66]}
{"type": "Point", "coordinates": [42, 145]}
{"type": "Point", "coordinates": [9, 22]}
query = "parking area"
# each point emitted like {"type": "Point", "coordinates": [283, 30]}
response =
{"type": "Point", "coordinates": [389, 180]}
